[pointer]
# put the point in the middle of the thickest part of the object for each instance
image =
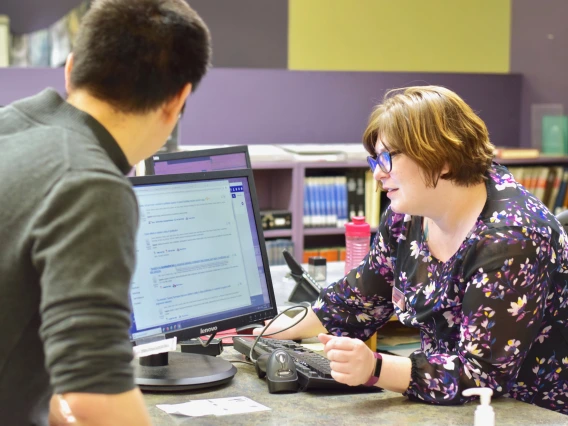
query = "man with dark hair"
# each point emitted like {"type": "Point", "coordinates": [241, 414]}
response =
{"type": "Point", "coordinates": [69, 215]}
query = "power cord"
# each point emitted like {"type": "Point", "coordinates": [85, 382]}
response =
{"type": "Point", "coordinates": [301, 306]}
{"type": "Point", "coordinates": [304, 305]}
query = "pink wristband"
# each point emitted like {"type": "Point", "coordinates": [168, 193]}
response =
{"type": "Point", "coordinates": [377, 371]}
{"type": "Point", "coordinates": [371, 381]}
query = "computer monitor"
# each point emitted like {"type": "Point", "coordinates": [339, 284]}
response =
{"type": "Point", "coordinates": [203, 160]}
{"type": "Point", "coordinates": [201, 268]}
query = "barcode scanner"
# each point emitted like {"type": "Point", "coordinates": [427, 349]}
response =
{"type": "Point", "coordinates": [281, 375]}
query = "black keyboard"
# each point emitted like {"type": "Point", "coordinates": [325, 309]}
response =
{"type": "Point", "coordinates": [312, 368]}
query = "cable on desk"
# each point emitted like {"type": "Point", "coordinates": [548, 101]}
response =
{"type": "Point", "coordinates": [301, 306]}
{"type": "Point", "coordinates": [304, 305]}
{"type": "Point", "coordinates": [240, 360]}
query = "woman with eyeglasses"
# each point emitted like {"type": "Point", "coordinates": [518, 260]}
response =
{"type": "Point", "coordinates": [463, 253]}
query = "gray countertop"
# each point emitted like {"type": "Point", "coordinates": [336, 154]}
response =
{"type": "Point", "coordinates": [333, 408]}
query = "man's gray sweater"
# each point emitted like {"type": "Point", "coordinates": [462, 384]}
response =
{"type": "Point", "coordinates": [68, 220]}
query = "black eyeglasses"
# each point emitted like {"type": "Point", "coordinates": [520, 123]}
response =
{"type": "Point", "coordinates": [383, 160]}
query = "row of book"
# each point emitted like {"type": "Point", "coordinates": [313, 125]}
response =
{"type": "Point", "coordinates": [548, 183]}
{"type": "Point", "coordinates": [333, 201]}
{"type": "Point", "coordinates": [331, 254]}
{"type": "Point", "coordinates": [47, 47]}
{"type": "Point", "coordinates": [274, 250]}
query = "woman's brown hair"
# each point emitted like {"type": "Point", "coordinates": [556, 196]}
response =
{"type": "Point", "coordinates": [434, 127]}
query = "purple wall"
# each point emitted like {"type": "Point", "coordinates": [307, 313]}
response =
{"type": "Point", "coordinates": [265, 106]}
{"type": "Point", "coordinates": [539, 50]}
{"type": "Point", "coordinates": [335, 106]}
{"type": "Point", "coordinates": [244, 106]}
{"type": "Point", "coordinates": [246, 33]}
{"type": "Point", "coordinates": [16, 83]}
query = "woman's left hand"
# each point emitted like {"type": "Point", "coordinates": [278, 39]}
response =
{"type": "Point", "coordinates": [351, 361]}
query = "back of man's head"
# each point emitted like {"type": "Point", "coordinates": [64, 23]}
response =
{"type": "Point", "coordinates": [138, 54]}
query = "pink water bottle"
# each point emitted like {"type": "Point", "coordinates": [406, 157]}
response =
{"type": "Point", "coordinates": [357, 242]}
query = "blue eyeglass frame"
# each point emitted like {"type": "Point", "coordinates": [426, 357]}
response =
{"type": "Point", "coordinates": [383, 160]}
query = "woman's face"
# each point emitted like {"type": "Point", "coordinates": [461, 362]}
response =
{"type": "Point", "coordinates": [404, 184]}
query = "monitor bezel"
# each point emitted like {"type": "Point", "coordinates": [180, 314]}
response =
{"type": "Point", "coordinates": [243, 320]}
{"type": "Point", "coordinates": [183, 155]}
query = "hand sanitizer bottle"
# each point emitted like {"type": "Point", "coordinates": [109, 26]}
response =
{"type": "Point", "coordinates": [484, 414]}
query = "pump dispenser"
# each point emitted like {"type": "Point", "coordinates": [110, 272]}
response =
{"type": "Point", "coordinates": [484, 414]}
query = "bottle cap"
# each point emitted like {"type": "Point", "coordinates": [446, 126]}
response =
{"type": "Point", "coordinates": [358, 228]}
{"type": "Point", "coordinates": [317, 260]}
{"type": "Point", "coordinates": [483, 393]}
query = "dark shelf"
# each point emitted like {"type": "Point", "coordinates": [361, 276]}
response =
{"type": "Point", "coordinates": [324, 231]}
{"type": "Point", "coordinates": [532, 161]}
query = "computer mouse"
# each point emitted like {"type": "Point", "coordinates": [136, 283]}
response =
{"type": "Point", "coordinates": [281, 375]}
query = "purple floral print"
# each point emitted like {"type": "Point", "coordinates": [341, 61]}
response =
{"type": "Point", "coordinates": [495, 314]}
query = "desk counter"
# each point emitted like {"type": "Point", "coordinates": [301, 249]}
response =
{"type": "Point", "coordinates": [332, 408]}
{"type": "Point", "coordinates": [283, 285]}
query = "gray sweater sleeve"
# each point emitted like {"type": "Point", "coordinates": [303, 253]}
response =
{"type": "Point", "coordinates": [83, 248]}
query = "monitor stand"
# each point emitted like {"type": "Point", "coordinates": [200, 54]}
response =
{"type": "Point", "coordinates": [176, 371]}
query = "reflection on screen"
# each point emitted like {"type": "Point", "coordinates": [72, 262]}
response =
{"type": "Point", "coordinates": [198, 256]}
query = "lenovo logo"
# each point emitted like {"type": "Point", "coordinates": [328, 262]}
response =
{"type": "Point", "coordinates": [208, 330]}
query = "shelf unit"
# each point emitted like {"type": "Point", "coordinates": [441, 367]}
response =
{"type": "Point", "coordinates": [280, 186]}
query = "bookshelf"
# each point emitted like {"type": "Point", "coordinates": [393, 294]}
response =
{"type": "Point", "coordinates": [280, 186]}
{"type": "Point", "coordinates": [276, 190]}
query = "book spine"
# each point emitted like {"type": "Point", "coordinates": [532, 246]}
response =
{"type": "Point", "coordinates": [559, 203]}
{"type": "Point", "coordinates": [4, 41]}
{"type": "Point", "coordinates": [307, 204]}
{"type": "Point", "coordinates": [330, 201]}
{"type": "Point", "coordinates": [555, 179]}
{"type": "Point", "coordinates": [318, 202]}
{"type": "Point", "coordinates": [351, 179]}
{"type": "Point", "coordinates": [540, 182]}
{"type": "Point", "coordinates": [361, 192]}
{"type": "Point", "coordinates": [338, 201]}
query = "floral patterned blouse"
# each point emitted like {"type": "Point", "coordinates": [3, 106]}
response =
{"type": "Point", "coordinates": [494, 315]}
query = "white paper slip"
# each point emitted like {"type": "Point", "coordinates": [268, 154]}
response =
{"type": "Point", "coordinates": [214, 407]}
{"type": "Point", "coordinates": [191, 408]}
{"type": "Point", "coordinates": [158, 347]}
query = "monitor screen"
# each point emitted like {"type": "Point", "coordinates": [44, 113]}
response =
{"type": "Point", "coordinates": [201, 268]}
{"type": "Point", "coordinates": [205, 160]}
{"type": "Point", "coordinates": [201, 259]}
